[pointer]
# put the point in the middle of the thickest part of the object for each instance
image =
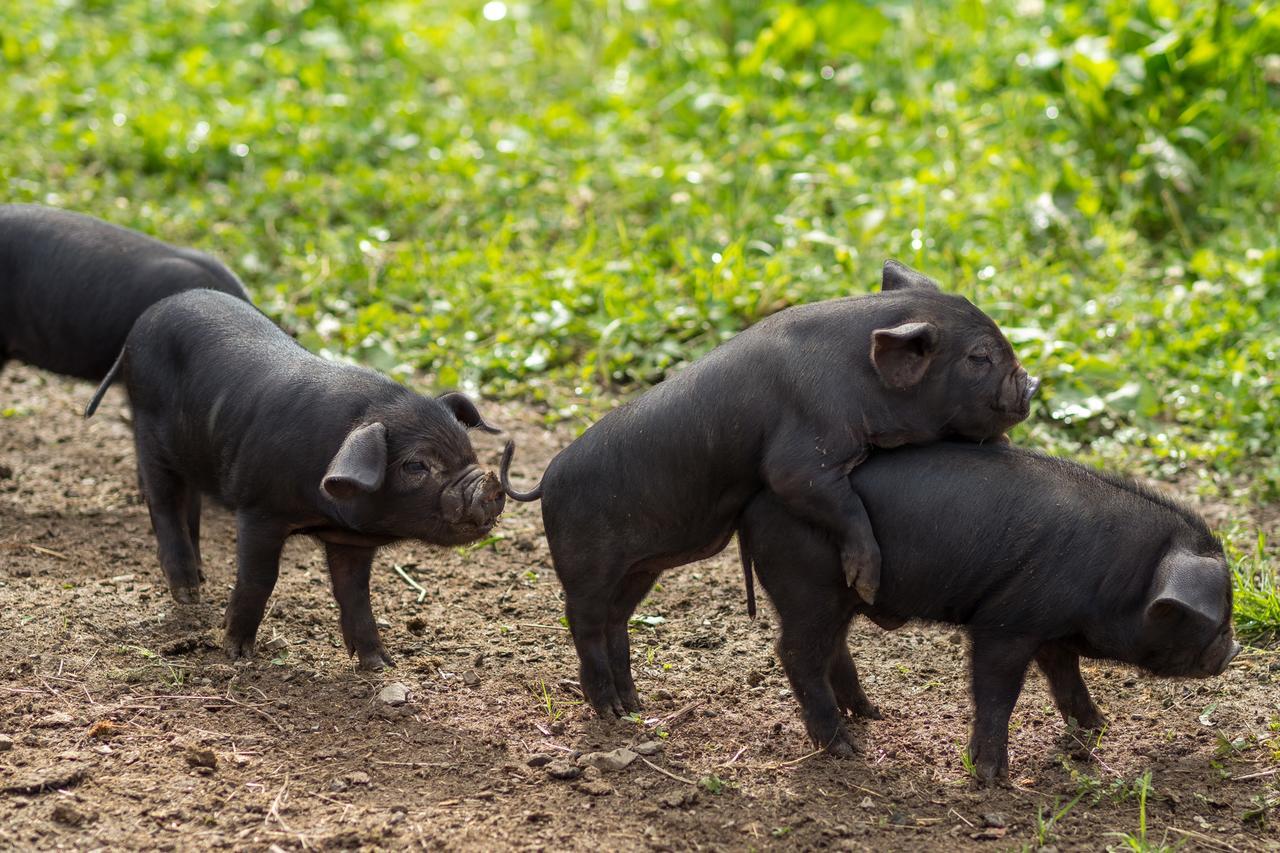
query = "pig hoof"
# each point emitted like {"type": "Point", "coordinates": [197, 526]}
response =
{"type": "Point", "coordinates": [841, 747]}
{"type": "Point", "coordinates": [862, 576]}
{"type": "Point", "coordinates": [186, 594]}
{"type": "Point", "coordinates": [990, 773]}
{"type": "Point", "coordinates": [991, 778]}
{"type": "Point", "coordinates": [609, 709]}
{"type": "Point", "coordinates": [631, 703]}
{"type": "Point", "coordinates": [1091, 721]}
{"type": "Point", "coordinates": [376, 660]}
{"type": "Point", "coordinates": [864, 710]}
{"type": "Point", "coordinates": [238, 649]}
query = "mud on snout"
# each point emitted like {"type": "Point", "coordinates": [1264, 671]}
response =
{"type": "Point", "coordinates": [473, 502]}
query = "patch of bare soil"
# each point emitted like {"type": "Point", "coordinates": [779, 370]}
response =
{"type": "Point", "coordinates": [122, 725]}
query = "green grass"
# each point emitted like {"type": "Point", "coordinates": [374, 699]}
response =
{"type": "Point", "coordinates": [1257, 593]}
{"type": "Point", "coordinates": [1138, 841]}
{"type": "Point", "coordinates": [581, 197]}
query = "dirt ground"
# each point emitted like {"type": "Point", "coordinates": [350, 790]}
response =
{"type": "Point", "coordinates": [122, 725]}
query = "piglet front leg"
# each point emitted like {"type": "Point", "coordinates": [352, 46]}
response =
{"type": "Point", "coordinates": [1061, 667]}
{"type": "Point", "coordinates": [816, 488]}
{"type": "Point", "coordinates": [259, 542]}
{"type": "Point", "coordinates": [998, 665]}
{"type": "Point", "coordinates": [349, 567]}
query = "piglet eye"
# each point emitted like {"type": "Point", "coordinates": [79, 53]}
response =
{"type": "Point", "coordinates": [979, 358]}
{"type": "Point", "coordinates": [413, 466]}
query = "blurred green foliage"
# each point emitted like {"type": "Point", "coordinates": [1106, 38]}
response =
{"type": "Point", "coordinates": [547, 200]}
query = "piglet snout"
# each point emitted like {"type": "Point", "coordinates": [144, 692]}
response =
{"type": "Point", "coordinates": [1030, 389]}
{"type": "Point", "coordinates": [1230, 656]}
{"type": "Point", "coordinates": [487, 499]}
{"type": "Point", "coordinates": [476, 498]}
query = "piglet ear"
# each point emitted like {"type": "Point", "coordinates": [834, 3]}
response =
{"type": "Point", "coordinates": [465, 411]}
{"type": "Point", "coordinates": [898, 276]}
{"type": "Point", "coordinates": [360, 465]}
{"type": "Point", "coordinates": [902, 355]}
{"type": "Point", "coordinates": [1188, 585]}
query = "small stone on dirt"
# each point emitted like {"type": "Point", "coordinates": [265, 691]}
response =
{"type": "Point", "coordinates": [55, 720]}
{"type": "Point", "coordinates": [540, 760]}
{"type": "Point", "coordinates": [596, 788]}
{"type": "Point", "coordinates": [69, 815]}
{"type": "Point", "coordinates": [615, 759]}
{"type": "Point", "coordinates": [649, 747]}
{"type": "Point", "coordinates": [199, 756]}
{"type": "Point", "coordinates": [6, 743]}
{"type": "Point", "coordinates": [563, 770]}
{"type": "Point", "coordinates": [394, 693]}
{"type": "Point", "coordinates": [470, 678]}
{"type": "Point", "coordinates": [276, 644]}
{"type": "Point", "coordinates": [993, 820]}
{"type": "Point", "coordinates": [866, 803]}
{"type": "Point", "coordinates": [679, 799]}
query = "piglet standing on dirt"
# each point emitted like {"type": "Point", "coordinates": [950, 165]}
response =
{"type": "Point", "coordinates": [1039, 559]}
{"type": "Point", "coordinates": [226, 404]}
{"type": "Point", "coordinates": [71, 286]}
{"type": "Point", "coordinates": [789, 405]}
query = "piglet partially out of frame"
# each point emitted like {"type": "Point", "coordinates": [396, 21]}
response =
{"type": "Point", "coordinates": [71, 286]}
{"type": "Point", "coordinates": [1039, 559]}
{"type": "Point", "coordinates": [225, 403]}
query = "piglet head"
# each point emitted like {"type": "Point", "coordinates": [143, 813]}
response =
{"type": "Point", "coordinates": [1185, 618]}
{"type": "Point", "coordinates": [408, 470]}
{"type": "Point", "coordinates": [949, 362]}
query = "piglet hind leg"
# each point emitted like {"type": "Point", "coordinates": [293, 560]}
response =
{"type": "Point", "coordinates": [349, 568]}
{"type": "Point", "coordinates": [815, 619]}
{"type": "Point", "coordinates": [818, 490]}
{"type": "Point", "coordinates": [1061, 667]}
{"type": "Point", "coordinates": [588, 614]}
{"type": "Point", "coordinates": [842, 673]}
{"type": "Point", "coordinates": [169, 501]}
{"type": "Point", "coordinates": [998, 665]}
{"type": "Point", "coordinates": [258, 545]}
{"type": "Point", "coordinates": [193, 530]}
{"type": "Point", "coordinates": [634, 588]}
{"type": "Point", "coordinates": [805, 654]}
